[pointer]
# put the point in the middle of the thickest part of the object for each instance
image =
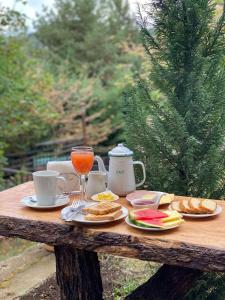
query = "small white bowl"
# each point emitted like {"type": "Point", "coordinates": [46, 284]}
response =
{"type": "Point", "coordinates": [144, 203]}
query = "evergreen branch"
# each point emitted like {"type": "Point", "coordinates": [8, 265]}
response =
{"type": "Point", "coordinates": [163, 150]}
{"type": "Point", "coordinates": [217, 32]}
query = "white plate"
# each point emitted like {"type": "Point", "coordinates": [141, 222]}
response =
{"type": "Point", "coordinates": [150, 228]}
{"type": "Point", "coordinates": [80, 218]}
{"type": "Point", "coordinates": [199, 216]}
{"type": "Point", "coordinates": [31, 201]}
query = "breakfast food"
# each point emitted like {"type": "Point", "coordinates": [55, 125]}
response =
{"type": "Point", "coordinates": [105, 196]}
{"type": "Point", "coordinates": [194, 206]}
{"type": "Point", "coordinates": [154, 218]}
{"type": "Point", "coordinates": [106, 217]}
{"type": "Point", "coordinates": [167, 198]}
{"type": "Point", "coordinates": [208, 206]}
{"type": "Point", "coordinates": [102, 208]}
{"type": "Point", "coordinates": [176, 206]}
{"type": "Point", "coordinates": [184, 205]}
{"type": "Point", "coordinates": [103, 211]}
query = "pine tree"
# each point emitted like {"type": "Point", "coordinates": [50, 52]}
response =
{"type": "Point", "coordinates": [84, 32]}
{"type": "Point", "coordinates": [176, 116]}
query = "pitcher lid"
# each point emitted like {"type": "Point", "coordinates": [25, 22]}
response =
{"type": "Point", "coordinates": [120, 150]}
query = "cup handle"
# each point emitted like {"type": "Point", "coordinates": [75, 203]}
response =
{"type": "Point", "coordinates": [143, 170]}
{"type": "Point", "coordinates": [59, 190]}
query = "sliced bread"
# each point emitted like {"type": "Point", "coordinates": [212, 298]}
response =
{"type": "Point", "coordinates": [176, 206]}
{"type": "Point", "coordinates": [102, 208]}
{"type": "Point", "coordinates": [195, 206]}
{"type": "Point", "coordinates": [107, 217]}
{"type": "Point", "coordinates": [208, 206]}
{"type": "Point", "coordinates": [184, 206]}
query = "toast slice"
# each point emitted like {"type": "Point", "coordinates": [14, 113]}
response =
{"type": "Point", "coordinates": [208, 206]}
{"type": "Point", "coordinates": [176, 206]}
{"type": "Point", "coordinates": [195, 205]}
{"type": "Point", "coordinates": [107, 217]}
{"type": "Point", "coordinates": [102, 208]}
{"type": "Point", "coordinates": [184, 206]}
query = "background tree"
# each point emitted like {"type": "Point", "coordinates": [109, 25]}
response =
{"type": "Point", "coordinates": [84, 32]}
{"type": "Point", "coordinates": [25, 116]}
{"type": "Point", "coordinates": [92, 45]}
{"type": "Point", "coordinates": [84, 110]}
{"type": "Point", "coordinates": [180, 133]}
{"type": "Point", "coordinates": [175, 117]}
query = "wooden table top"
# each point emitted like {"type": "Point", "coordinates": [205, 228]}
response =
{"type": "Point", "coordinates": [197, 244]}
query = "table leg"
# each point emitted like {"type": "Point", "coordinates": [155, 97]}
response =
{"type": "Point", "coordinates": [168, 283]}
{"type": "Point", "coordinates": [78, 274]}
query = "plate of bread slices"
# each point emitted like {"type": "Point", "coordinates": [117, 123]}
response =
{"type": "Point", "coordinates": [100, 213]}
{"type": "Point", "coordinates": [196, 208]}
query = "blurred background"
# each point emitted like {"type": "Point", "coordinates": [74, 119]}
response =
{"type": "Point", "coordinates": [64, 67]}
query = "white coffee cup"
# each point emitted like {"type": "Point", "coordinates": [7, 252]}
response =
{"type": "Point", "coordinates": [46, 184]}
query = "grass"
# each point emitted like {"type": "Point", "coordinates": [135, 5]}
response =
{"type": "Point", "coordinates": [12, 246]}
{"type": "Point", "coordinates": [122, 275]}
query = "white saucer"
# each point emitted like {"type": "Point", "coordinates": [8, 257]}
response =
{"type": "Point", "coordinates": [199, 216]}
{"type": "Point", "coordinates": [149, 228]}
{"type": "Point", "coordinates": [80, 217]}
{"type": "Point", "coordinates": [31, 201]}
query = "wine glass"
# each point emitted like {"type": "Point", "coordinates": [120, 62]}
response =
{"type": "Point", "coordinates": [82, 159]}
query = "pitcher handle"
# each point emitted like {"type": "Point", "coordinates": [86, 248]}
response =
{"type": "Point", "coordinates": [101, 165]}
{"type": "Point", "coordinates": [143, 170]}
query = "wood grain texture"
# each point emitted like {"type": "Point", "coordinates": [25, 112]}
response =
{"type": "Point", "coordinates": [168, 283]}
{"type": "Point", "coordinates": [78, 274]}
{"type": "Point", "coordinates": [196, 244]}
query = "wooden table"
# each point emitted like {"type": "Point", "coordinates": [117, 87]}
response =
{"type": "Point", "coordinates": [196, 246]}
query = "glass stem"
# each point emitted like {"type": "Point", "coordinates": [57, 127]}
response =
{"type": "Point", "coordinates": [82, 181]}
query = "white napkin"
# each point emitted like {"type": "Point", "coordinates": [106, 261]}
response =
{"type": "Point", "coordinates": [68, 212]}
{"type": "Point", "coordinates": [65, 168]}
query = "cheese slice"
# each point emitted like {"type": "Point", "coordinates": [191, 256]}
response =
{"type": "Point", "coordinates": [148, 197]}
{"type": "Point", "coordinates": [172, 223]}
{"type": "Point", "coordinates": [173, 216]}
{"type": "Point", "coordinates": [166, 199]}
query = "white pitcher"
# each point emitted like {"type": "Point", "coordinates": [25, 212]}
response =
{"type": "Point", "coordinates": [121, 179]}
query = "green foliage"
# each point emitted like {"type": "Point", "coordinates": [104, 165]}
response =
{"type": "Point", "coordinates": [25, 114]}
{"type": "Point", "coordinates": [100, 105]}
{"type": "Point", "coordinates": [211, 286]}
{"type": "Point", "coordinates": [11, 18]}
{"type": "Point", "coordinates": [175, 118]}
{"type": "Point", "coordinates": [179, 130]}
{"type": "Point", "coordinates": [84, 33]}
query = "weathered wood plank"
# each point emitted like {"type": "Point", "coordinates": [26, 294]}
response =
{"type": "Point", "coordinates": [168, 283]}
{"type": "Point", "coordinates": [78, 274]}
{"type": "Point", "coordinates": [153, 249]}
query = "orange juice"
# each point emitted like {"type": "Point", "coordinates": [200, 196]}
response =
{"type": "Point", "coordinates": [82, 161]}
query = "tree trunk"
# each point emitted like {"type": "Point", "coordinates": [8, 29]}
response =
{"type": "Point", "coordinates": [169, 283]}
{"type": "Point", "coordinates": [78, 274]}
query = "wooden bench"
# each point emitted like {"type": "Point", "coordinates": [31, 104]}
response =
{"type": "Point", "coordinates": [196, 246]}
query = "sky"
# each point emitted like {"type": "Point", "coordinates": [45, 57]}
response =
{"type": "Point", "coordinates": [33, 7]}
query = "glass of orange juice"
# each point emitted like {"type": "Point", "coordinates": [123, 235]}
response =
{"type": "Point", "coordinates": [82, 159]}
